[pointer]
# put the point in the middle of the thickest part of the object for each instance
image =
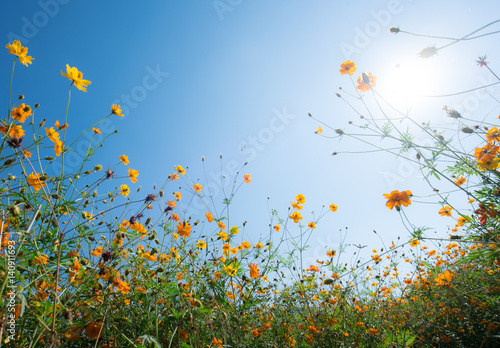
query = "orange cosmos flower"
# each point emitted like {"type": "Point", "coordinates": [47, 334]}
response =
{"type": "Point", "coordinates": [246, 178]}
{"type": "Point", "coordinates": [319, 130]}
{"type": "Point", "coordinates": [444, 278]}
{"type": "Point", "coordinates": [21, 112]}
{"type": "Point", "coordinates": [492, 135]}
{"type": "Point", "coordinates": [333, 207]}
{"type": "Point", "coordinates": [312, 268]}
{"type": "Point", "coordinates": [173, 177]}
{"type": "Point", "coordinates": [366, 82]}
{"type": "Point", "coordinates": [295, 216]}
{"type": "Point", "coordinates": [27, 154]}
{"type": "Point", "coordinates": [254, 271]}
{"type": "Point", "coordinates": [133, 174]}
{"type": "Point", "coordinates": [217, 342]}
{"type": "Point", "coordinates": [347, 67]}
{"type": "Point", "coordinates": [97, 251]}
{"type": "Point", "coordinates": [396, 199]}
{"type": "Point", "coordinates": [209, 216]}
{"type": "Point", "coordinates": [178, 196]}
{"type": "Point", "coordinates": [39, 260]}
{"type": "Point", "coordinates": [16, 131]}
{"type": "Point", "coordinates": [460, 181]}
{"type": "Point", "coordinates": [184, 229]}
{"type": "Point", "coordinates": [311, 225]}
{"type": "Point", "coordinates": [61, 127]}
{"type": "Point", "coordinates": [446, 211]}
{"type": "Point", "coordinates": [277, 228]}
{"type": "Point", "coordinates": [197, 187]}
{"type": "Point", "coordinates": [76, 77]}
{"type": "Point", "coordinates": [96, 130]}
{"type": "Point", "coordinates": [171, 204]}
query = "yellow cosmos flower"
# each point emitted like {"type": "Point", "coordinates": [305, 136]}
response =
{"type": "Point", "coordinates": [20, 51]}
{"type": "Point", "coordinates": [35, 182]}
{"type": "Point", "coordinates": [201, 244]}
{"type": "Point", "coordinates": [319, 130]}
{"type": "Point", "coordinates": [230, 270]}
{"type": "Point", "coordinates": [76, 77]}
{"type": "Point", "coordinates": [124, 159]}
{"type": "Point", "coordinates": [133, 174]}
{"type": "Point", "coordinates": [58, 147]}
{"type": "Point", "coordinates": [180, 170]}
{"type": "Point", "coordinates": [115, 110]}
{"type": "Point", "coordinates": [124, 190]}
{"type": "Point", "coordinates": [178, 196]}
{"type": "Point", "coordinates": [333, 207]}
{"type": "Point", "coordinates": [311, 225]}
{"type": "Point", "coordinates": [52, 134]}
{"type": "Point", "coordinates": [414, 242]}
{"type": "Point", "coordinates": [96, 130]}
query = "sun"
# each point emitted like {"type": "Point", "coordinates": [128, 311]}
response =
{"type": "Point", "coordinates": [410, 80]}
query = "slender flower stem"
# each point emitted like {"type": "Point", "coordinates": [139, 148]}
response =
{"type": "Point", "coordinates": [10, 88]}
{"type": "Point", "coordinates": [65, 122]}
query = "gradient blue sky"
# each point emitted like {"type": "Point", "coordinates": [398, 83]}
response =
{"type": "Point", "coordinates": [223, 70]}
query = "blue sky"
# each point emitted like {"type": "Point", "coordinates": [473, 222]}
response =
{"type": "Point", "coordinates": [203, 78]}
